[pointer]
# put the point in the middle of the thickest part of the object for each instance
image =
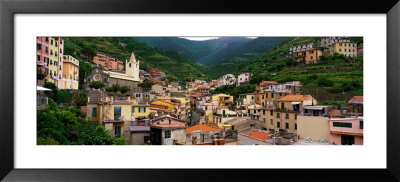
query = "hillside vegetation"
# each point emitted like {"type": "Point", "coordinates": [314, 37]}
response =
{"type": "Point", "coordinates": [175, 65]}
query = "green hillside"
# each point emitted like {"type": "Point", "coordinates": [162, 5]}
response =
{"type": "Point", "coordinates": [175, 65]}
{"type": "Point", "coordinates": [335, 73]}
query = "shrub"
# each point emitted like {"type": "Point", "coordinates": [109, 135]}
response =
{"type": "Point", "coordinates": [97, 84]}
{"type": "Point", "coordinates": [124, 89]}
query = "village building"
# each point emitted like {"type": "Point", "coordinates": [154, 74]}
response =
{"type": "Point", "coordinates": [325, 42]}
{"type": "Point", "coordinates": [108, 62]}
{"type": "Point", "coordinates": [274, 92]}
{"type": "Point", "coordinates": [114, 113]}
{"type": "Point", "coordinates": [167, 130]}
{"type": "Point", "coordinates": [346, 131]}
{"type": "Point", "coordinates": [227, 79]}
{"type": "Point", "coordinates": [290, 107]}
{"type": "Point", "coordinates": [298, 48]}
{"type": "Point", "coordinates": [355, 106]}
{"type": "Point", "coordinates": [313, 129]}
{"type": "Point", "coordinates": [307, 56]}
{"type": "Point", "coordinates": [158, 89]}
{"type": "Point", "coordinates": [245, 100]}
{"type": "Point", "coordinates": [203, 134]}
{"type": "Point", "coordinates": [244, 77]}
{"type": "Point", "coordinates": [348, 49]}
{"type": "Point", "coordinates": [256, 137]}
{"type": "Point", "coordinates": [42, 57]}
{"type": "Point", "coordinates": [70, 73]}
{"type": "Point", "coordinates": [139, 135]}
{"type": "Point", "coordinates": [260, 91]}
{"type": "Point", "coordinates": [130, 78]}
{"type": "Point", "coordinates": [55, 64]}
{"type": "Point", "coordinates": [223, 99]}
{"type": "Point", "coordinates": [360, 51]}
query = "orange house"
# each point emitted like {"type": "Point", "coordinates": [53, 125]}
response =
{"type": "Point", "coordinates": [307, 56]}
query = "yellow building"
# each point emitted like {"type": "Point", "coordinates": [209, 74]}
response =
{"type": "Point", "coordinates": [170, 106]}
{"type": "Point", "coordinates": [307, 56]}
{"type": "Point", "coordinates": [223, 99]}
{"type": "Point", "coordinates": [54, 61]}
{"type": "Point", "coordinates": [314, 127]}
{"type": "Point", "coordinates": [347, 48]}
{"type": "Point", "coordinates": [115, 113]}
{"type": "Point", "coordinates": [70, 75]}
{"type": "Point", "coordinates": [290, 107]}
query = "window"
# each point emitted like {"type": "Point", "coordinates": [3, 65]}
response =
{"type": "Point", "coordinates": [39, 46]}
{"type": "Point", "coordinates": [94, 112]}
{"type": "Point", "coordinates": [56, 44]}
{"type": "Point", "coordinates": [264, 120]}
{"type": "Point", "coordinates": [278, 115]}
{"type": "Point", "coordinates": [262, 96]}
{"type": "Point", "coordinates": [60, 51]}
{"type": "Point", "coordinates": [51, 42]}
{"type": "Point", "coordinates": [278, 124]}
{"type": "Point", "coordinates": [47, 49]}
{"type": "Point", "coordinates": [51, 72]}
{"type": "Point", "coordinates": [38, 58]}
{"type": "Point", "coordinates": [341, 124]}
{"type": "Point", "coordinates": [311, 57]}
{"type": "Point", "coordinates": [266, 95]}
{"type": "Point", "coordinates": [117, 131]}
{"type": "Point", "coordinates": [287, 125]}
{"type": "Point", "coordinates": [167, 134]}
{"type": "Point", "coordinates": [254, 111]}
{"type": "Point", "coordinates": [130, 65]}
{"type": "Point", "coordinates": [272, 121]}
{"type": "Point", "coordinates": [133, 108]}
{"type": "Point", "coordinates": [340, 50]}
{"type": "Point", "coordinates": [51, 52]}
{"type": "Point", "coordinates": [117, 113]}
{"type": "Point", "coordinates": [47, 39]}
{"type": "Point", "coordinates": [295, 126]}
{"type": "Point", "coordinates": [271, 112]}
{"type": "Point", "coordinates": [272, 95]}
{"type": "Point", "coordinates": [361, 124]}
{"type": "Point", "coordinates": [61, 41]}
{"type": "Point", "coordinates": [287, 116]}
{"type": "Point", "coordinates": [295, 116]}
{"type": "Point", "coordinates": [282, 105]}
{"type": "Point", "coordinates": [264, 112]}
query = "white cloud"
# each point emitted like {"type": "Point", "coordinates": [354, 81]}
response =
{"type": "Point", "coordinates": [199, 38]}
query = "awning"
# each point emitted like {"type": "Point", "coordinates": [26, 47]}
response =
{"type": "Point", "coordinates": [54, 77]}
{"type": "Point", "coordinates": [42, 88]}
{"type": "Point", "coordinates": [296, 102]}
{"type": "Point", "coordinates": [314, 107]}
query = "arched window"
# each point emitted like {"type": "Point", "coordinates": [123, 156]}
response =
{"type": "Point", "coordinates": [130, 65]}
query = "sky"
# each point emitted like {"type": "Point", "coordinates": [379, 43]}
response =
{"type": "Point", "coordinates": [205, 38]}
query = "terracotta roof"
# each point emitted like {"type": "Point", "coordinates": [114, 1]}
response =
{"type": "Point", "coordinates": [259, 135]}
{"type": "Point", "coordinates": [356, 99]}
{"type": "Point", "coordinates": [201, 87]}
{"type": "Point", "coordinates": [169, 125]}
{"type": "Point", "coordinates": [294, 98]}
{"type": "Point", "coordinates": [334, 113]}
{"type": "Point", "coordinates": [269, 82]}
{"type": "Point", "coordinates": [202, 127]}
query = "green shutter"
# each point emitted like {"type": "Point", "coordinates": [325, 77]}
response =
{"type": "Point", "coordinates": [295, 116]}
{"type": "Point", "coordinates": [287, 116]}
{"type": "Point", "coordinates": [94, 112]}
{"type": "Point", "coordinates": [133, 108]}
{"type": "Point", "coordinates": [144, 109]}
{"type": "Point", "coordinates": [117, 131]}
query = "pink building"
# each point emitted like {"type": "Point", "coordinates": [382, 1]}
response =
{"type": "Point", "coordinates": [244, 77]}
{"type": "Point", "coordinates": [42, 54]}
{"type": "Point", "coordinates": [346, 131]}
{"type": "Point", "coordinates": [210, 106]}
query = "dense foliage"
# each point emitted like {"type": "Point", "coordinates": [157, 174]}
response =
{"type": "Point", "coordinates": [63, 126]}
{"type": "Point", "coordinates": [97, 84]}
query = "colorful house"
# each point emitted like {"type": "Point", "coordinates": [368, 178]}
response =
{"type": "Point", "coordinates": [348, 49]}
{"type": "Point", "coordinates": [346, 131]}
{"type": "Point", "coordinates": [70, 74]}
{"type": "Point", "coordinates": [307, 56]}
{"type": "Point", "coordinates": [244, 77]}
{"type": "Point", "coordinates": [42, 55]}
{"type": "Point", "coordinates": [56, 61]}
{"type": "Point", "coordinates": [355, 106]}
{"type": "Point", "coordinates": [223, 99]}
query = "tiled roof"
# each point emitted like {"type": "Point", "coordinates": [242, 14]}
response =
{"type": "Point", "coordinates": [259, 135]}
{"type": "Point", "coordinates": [334, 113]}
{"type": "Point", "coordinates": [202, 127]}
{"type": "Point", "coordinates": [139, 128]}
{"type": "Point", "coordinates": [269, 82]}
{"type": "Point", "coordinates": [169, 125]}
{"type": "Point", "coordinates": [294, 98]}
{"type": "Point", "coordinates": [356, 99]}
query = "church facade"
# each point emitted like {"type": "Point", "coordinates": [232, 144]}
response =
{"type": "Point", "coordinates": [129, 78]}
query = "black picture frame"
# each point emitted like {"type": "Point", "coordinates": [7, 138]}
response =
{"type": "Point", "coordinates": [9, 8]}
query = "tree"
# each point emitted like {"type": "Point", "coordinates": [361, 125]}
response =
{"type": "Point", "coordinates": [97, 84]}
{"type": "Point", "coordinates": [146, 85]}
{"type": "Point", "coordinates": [54, 91]}
{"type": "Point", "coordinates": [65, 127]}
{"type": "Point", "coordinates": [124, 89]}
{"type": "Point", "coordinates": [40, 75]}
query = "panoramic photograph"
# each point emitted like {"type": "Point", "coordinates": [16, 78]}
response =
{"type": "Point", "coordinates": [199, 90]}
